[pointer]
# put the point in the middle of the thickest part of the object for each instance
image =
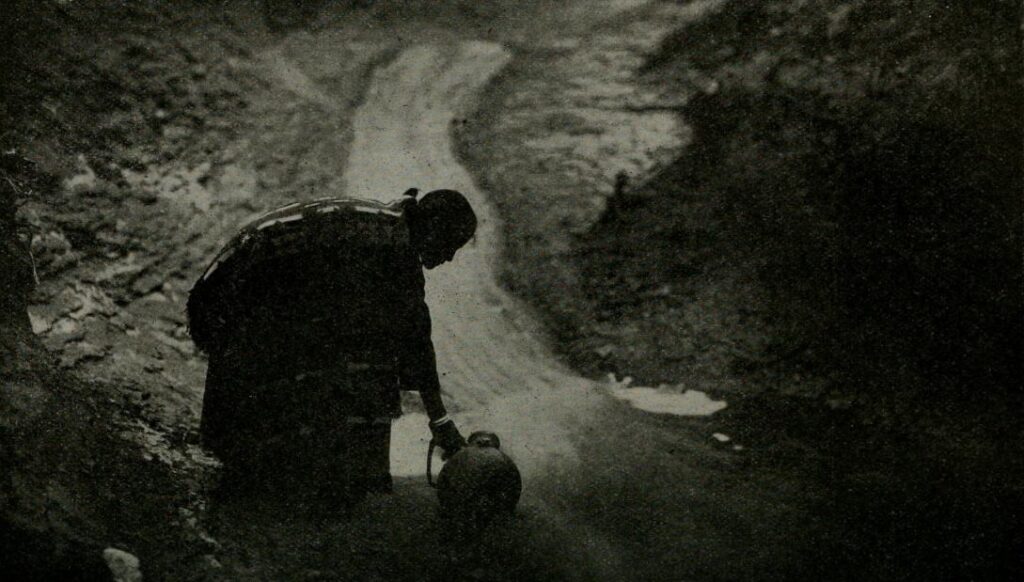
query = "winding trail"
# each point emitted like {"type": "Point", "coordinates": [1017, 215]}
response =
{"type": "Point", "coordinates": [610, 492]}
{"type": "Point", "coordinates": [619, 493]}
{"type": "Point", "coordinates": [486, 345]}
{"type": "Point", "coordinates": [496, 371]}
{"type": "Point", "coordinates": [495, 368]}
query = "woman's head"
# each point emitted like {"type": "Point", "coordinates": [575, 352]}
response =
{"type": "Point", "coordinates": [442, 223]}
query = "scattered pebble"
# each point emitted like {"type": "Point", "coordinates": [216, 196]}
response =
{"type": "Point", "coordinates": [209, 540]}
{"type": "Point", "coordinates": [616, 383]}
{"type": "Point", "coordinates": [124, 566]}
{"type": "Point", "coordinates": [212, 562]}
{"type": "Point", "coordinates": [722, 438]}
{"type": "Point", "coordinates": [84, 181]}
{"type": "Point", "coordinates": [39, 324]}
{"type": "Point", "coordinates": [64, 326]}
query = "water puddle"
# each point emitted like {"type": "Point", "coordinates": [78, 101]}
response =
{"type": "Point", "coordinates": [667, 399]}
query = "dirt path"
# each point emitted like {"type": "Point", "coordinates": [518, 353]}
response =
{"type": "Point", "coordinates": [633, 492]}
{"type": "Point", "coordinates": [220, 120]}
{"type": "Point", "coordinates": [611, 492]}
{"type": "Point", "coordinates": [495, 371]}
{"type": "Point", "coordinates": [489, 354]}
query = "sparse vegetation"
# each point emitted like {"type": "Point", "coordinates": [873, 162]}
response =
{"type": "Point", "coordinates": [867, 157]}
{"type": "Point", "coordinates": [838, 252]}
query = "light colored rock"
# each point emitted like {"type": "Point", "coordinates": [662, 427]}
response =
{"type": "Point", "coordinates": [124, 566]}
{"type": "Point", "coordinates": [85, 180]}
{"type": "Point", "coordinates": [212, 562]}
{"type": "Point", "coordinates": [39, 324]}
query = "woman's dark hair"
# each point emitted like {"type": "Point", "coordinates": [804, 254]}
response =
{"type": "Point", "coordinates": [448, 216]}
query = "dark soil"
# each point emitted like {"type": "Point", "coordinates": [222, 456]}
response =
{"type": "Point", "coordinates": [838, 252]}
{"type": "Point", "coordinates": [137, 137]}
{"type": "Point", "coordinates": [92, 90]}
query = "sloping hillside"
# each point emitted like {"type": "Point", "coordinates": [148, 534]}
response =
{"type": "Point", "coordinates": [838, 251]}
{"type": "Point", "coordinates": [92, 92]}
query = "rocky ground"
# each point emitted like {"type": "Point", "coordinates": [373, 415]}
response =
{"type": "Point", "coordinates": [152, 149]}
{"type": "Point", "coordinates": [137, 137]}
{"type": "Point", "coordinates": [147, 151]}
{"type": "Point", "coordinates": [833, 251]}
{"type": "Point", "coordinates": [582, 130]}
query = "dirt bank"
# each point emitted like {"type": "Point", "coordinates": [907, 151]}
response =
{"type": "Point", "coordinates": [574, 117]}
{"type": "Point", "coordinates": [603, 498]}
{"type": "Point", "coordinates": [125, 194]}
{"type": "Point", "coordinates": [138, 157]}
{"type": "Point", "coordinates": [137, 139]}
{"type": "Point", "coordinates": [819, 252]}
{"type": "Point", "coordinates": [603, 481]}
{"type": "Point", "coordinates": [98, 98]}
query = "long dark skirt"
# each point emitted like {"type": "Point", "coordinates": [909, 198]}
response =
{"type": "Point", "coordinates": [298, 438]}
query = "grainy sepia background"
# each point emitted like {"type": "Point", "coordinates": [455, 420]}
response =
{"type": "Point", "coordinates": [745, 303]}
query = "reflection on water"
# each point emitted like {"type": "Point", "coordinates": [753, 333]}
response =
{"type": "Point", "coordinates": [410, 435]}
{"type": "Point", "coordinates": [668, 400]}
